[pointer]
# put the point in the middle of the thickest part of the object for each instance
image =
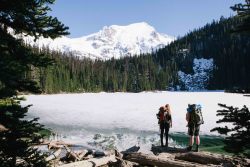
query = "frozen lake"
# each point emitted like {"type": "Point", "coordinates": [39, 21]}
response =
{"type": "Point", "coordinates": [123, 119]}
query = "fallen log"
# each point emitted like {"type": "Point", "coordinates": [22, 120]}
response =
{"type": "Point", "coordinates": [93, 162]}
{"type": "Point", "coordinates": [211, 158]}
{"type": "Point", "coordinates": [71, 155]}
{"type": "Point", "coordinates": [54, 155]}
{"type": "Point", "coordinates": [82, 154]}
{"type": "Point", "coordinates": [201, 158]}
{"type": "Point", "coordinates": [118, 154]}
{"type": "Point", "coordinates": [152, 160]}
{"type": "Point", "coordinates": [166, 155]}
{"type": "Point", "coordinates": [53, 145]}
{"type": "Point", "coordinates": [160, 149]}
{"type": "Point", "coordinates": [122, 163]}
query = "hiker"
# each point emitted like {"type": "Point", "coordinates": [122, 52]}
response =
{"type": "Point", "coordinates": [165, 122]}
{"type": "Point", "coordinates": [194, 119]}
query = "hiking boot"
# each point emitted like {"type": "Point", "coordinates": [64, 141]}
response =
{"type": "Point", "coordinates": [189, 148]}
{"type": "Point", "coordinates": [197, 148]}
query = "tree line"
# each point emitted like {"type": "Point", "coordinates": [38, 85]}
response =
{"type": "Point", "coordinates": [72, 74]}
{"type": "Point", "coordinates": [157, 70]}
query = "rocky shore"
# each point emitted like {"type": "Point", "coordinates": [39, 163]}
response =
{"type": "Point", "coordinates": [63, 155]}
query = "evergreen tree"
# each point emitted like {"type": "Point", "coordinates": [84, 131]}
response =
{"type": "Point", "coordinates": [243, 13]}
{"type": "Point", "coordinates": [23, 17]}
{"type": "Point", "coordinates": [237, 138]}
{"type": "Point", "coordinates": [157, 70]}
{"type": "Point", "coordinates": [238, 134]}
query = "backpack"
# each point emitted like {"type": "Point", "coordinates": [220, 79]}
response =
{"type": "Point", "coordinates": [160, 116]}
{"type": "Point", "coordinates": [163, 117]}
{"type": "Point", "coordinates": [196, 114]}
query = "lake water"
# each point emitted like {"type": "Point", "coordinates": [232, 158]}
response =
{"type": "Point", "coordinates": [121, 120]}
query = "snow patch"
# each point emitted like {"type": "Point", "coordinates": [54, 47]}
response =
{"type": "Point", "coordinates": [199, 80]}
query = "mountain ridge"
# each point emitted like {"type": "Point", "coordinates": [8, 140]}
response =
{"type": "Point", "coordinates": [110, 42]}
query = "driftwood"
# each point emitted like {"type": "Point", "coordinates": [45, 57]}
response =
{"type": "Point", "coordinates": [82, 154]}
{"type": "Point", "coordinates": [54, 155]}
{"type": "Point", "coordinates": [122, 163]}
{"type": "Point", "coordinates": [202, 158]}
{"type": "Point", "coordinates": [3, 128]}
{"type": "Point", "coordinates": [118, 154]}
{"type": "Point", "coordinates": [174, 157]}
{"type": "Point", "coordinates": [216, 159]}
{"type": "Point", "coordinates": [159, 149]}
{"type": "Point", "coordinates": [53, 145]}
{"type": "Point", "coordinates": [166, 155]}
{"type": "Point", "coordinates": [93, 162]}
{"type": "Point", "coordinates": [152, 160]}
{"type": "Point", "coordinates": [56, 144]}
{"type": "Point", "coordinates": [71, 155]}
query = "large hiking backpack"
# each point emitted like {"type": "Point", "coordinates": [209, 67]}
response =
{"type": "Point", "coordinates": [196, 114]}
{"type": "Point", "coordinates": [160, 116]}
{"type": "Point", "coordinates": [163, 117]}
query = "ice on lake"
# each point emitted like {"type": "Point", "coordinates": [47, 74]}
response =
{"type": "Point", "coordinates": [122, 120]}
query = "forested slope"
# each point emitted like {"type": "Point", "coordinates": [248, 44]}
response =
{"type": "Point", "coordinates": [158, 70]}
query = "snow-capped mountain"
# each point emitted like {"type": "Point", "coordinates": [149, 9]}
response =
{"type": "Point", "coordinates": [113, 41]}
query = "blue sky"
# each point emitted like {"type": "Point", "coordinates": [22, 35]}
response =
{"type": "Point", "coordinates": [173, 17]}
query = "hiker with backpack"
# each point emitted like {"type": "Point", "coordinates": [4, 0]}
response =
{"type": "Point", "coordinates": [165, 122]}
{"type": "Point", "coordinates": [195, 119]}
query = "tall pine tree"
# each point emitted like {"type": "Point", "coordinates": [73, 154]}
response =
{"type": "Point", "coordinates": [22, 17]}
{"type": "Point", "coordinates": [243, 13]}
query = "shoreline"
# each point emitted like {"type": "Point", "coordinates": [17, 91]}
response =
{"type": "Point", "coordinates": [211, 143]}
{"type": "Point", "coordinates": [150, 91]}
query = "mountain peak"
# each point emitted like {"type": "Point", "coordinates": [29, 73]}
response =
{"type": "Point", "coordinates": [141, 24]}
{"type": "Point", "coordinates": [136, 29]}
{"type": "Point", "coordinates": [113, 41]}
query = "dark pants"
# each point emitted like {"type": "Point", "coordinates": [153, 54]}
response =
{"type": "Point", "coordinates": [164, 127]}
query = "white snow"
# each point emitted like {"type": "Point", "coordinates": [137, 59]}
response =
{"type": "Point", "coordinates": [124, 119]}
{"type": "Point", "coordinates": [199, 80]}
{"type": "Point", "coordinates": [111, 42]}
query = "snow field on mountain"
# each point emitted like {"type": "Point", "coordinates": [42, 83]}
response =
{"type": "Point", "coordinates": [110, 42]}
